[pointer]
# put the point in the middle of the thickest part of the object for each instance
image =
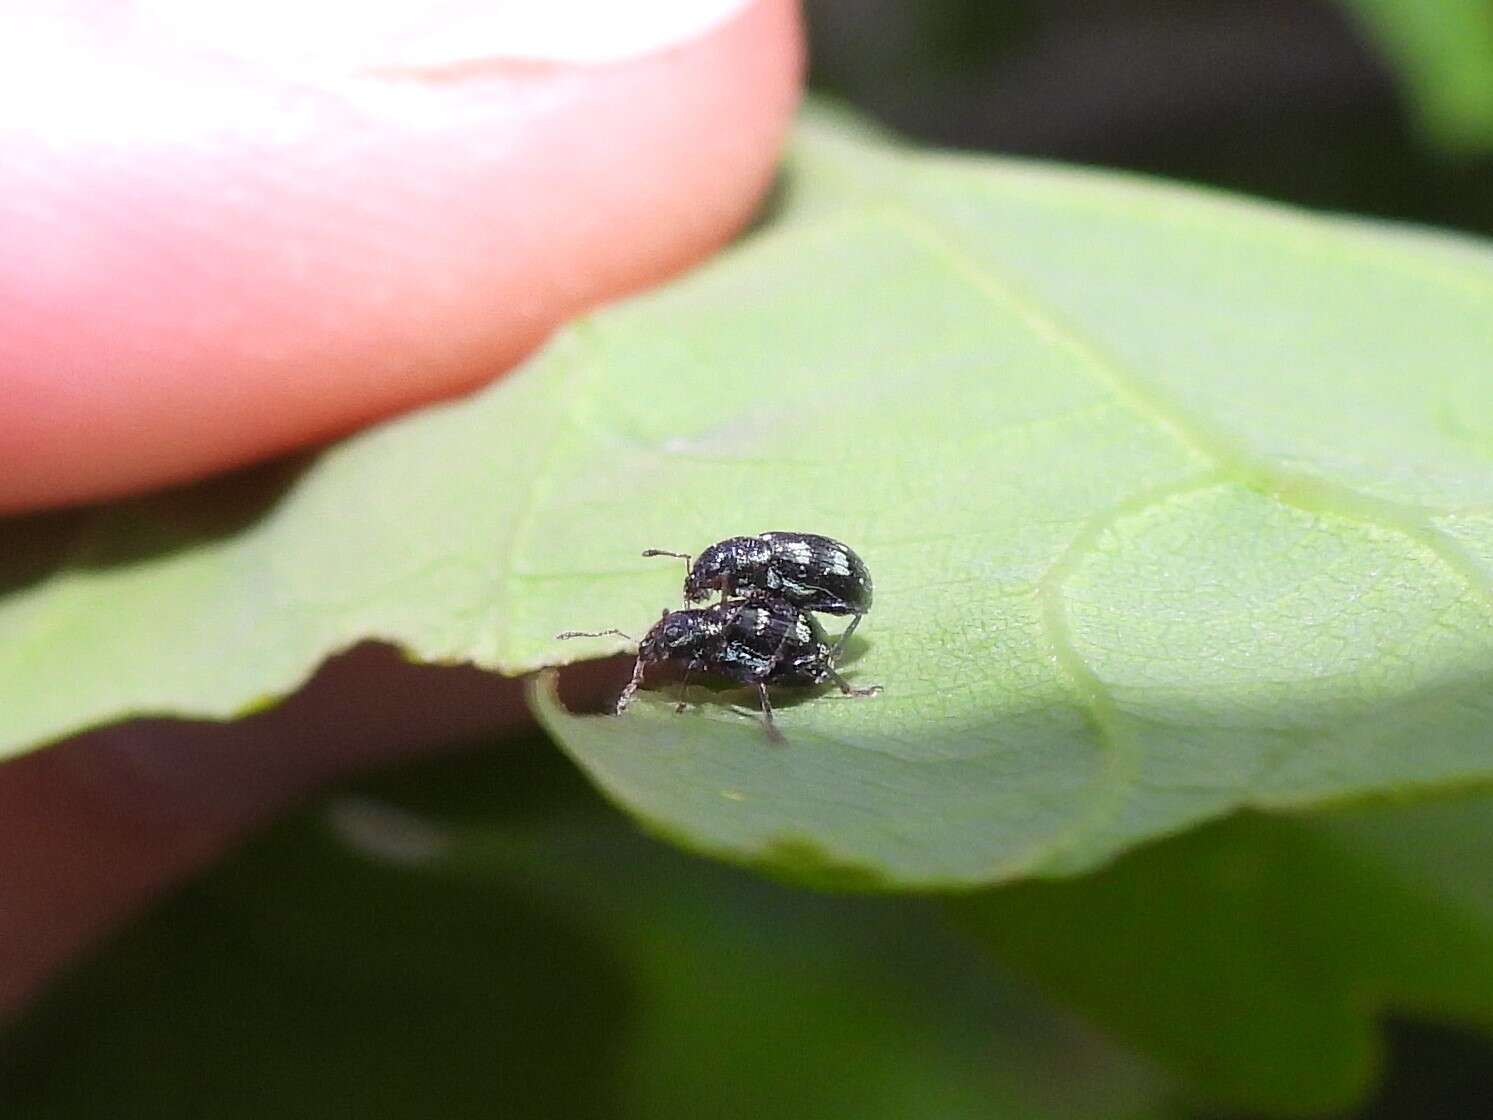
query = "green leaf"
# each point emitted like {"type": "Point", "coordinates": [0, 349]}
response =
{"type": "Point", "coordinates": [1252, 957]}
{"type": "Point", "coordinates": [527, 954]}
{"type": "Point", "coordinates": [1444, 49]}
{"type": "Point", "coordinates": [1175, 504]}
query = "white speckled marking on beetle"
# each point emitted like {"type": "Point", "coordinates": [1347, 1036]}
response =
{"type": "Point", "coordinates": [798, 551]}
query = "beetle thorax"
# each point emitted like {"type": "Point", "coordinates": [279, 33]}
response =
{"type": "Point", "coordinates": [722, 566]}
{"type": "Point", "coordinates": [679, 633]}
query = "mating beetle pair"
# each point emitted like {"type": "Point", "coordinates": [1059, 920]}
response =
{"type": "Point", "coordinates": [810, 572]}
{"type": "Point", "coordinates": [759, 633]}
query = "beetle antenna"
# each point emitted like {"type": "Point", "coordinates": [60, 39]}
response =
{"type": "Point", "coordinates": [685, 556]}
{"type": "Point", "coordinates": [593, 634]}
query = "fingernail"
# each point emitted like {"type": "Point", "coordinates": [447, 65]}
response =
{"type": "Point", "coordinates": [343, 35]}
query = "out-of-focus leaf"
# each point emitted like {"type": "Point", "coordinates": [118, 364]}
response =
{"type": "Point", "coordinates": [1252, 956]}
{"type": "Point", "coordinates": [1444, 50]}
{"type": "Point", "coordinates": [527, 954]}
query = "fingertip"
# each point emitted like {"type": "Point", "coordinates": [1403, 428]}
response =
{"type": "Point", "coordinates": [280, 263]}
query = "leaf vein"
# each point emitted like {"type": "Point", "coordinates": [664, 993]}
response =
{"type": "Point", "coordinates": [1306, 492]}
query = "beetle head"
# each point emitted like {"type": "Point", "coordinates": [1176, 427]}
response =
{"type": "Point", "coordinates": [706, 574]}
{"type": "Point", "coordinates": [673, 633]}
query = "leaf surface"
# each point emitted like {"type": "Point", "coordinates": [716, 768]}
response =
{"type": "Point", "coordinates": [1175, 504]}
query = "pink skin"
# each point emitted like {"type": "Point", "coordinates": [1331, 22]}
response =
{"type": "Point", "coordinates": [241, 281]}
{"type": "Point", "coordinates": [287, 263]}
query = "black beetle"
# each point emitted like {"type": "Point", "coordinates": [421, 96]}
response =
{"type": "Point", "coordinates": [753, 641]}
{"type": "Point", "coordinates": [811, 572]}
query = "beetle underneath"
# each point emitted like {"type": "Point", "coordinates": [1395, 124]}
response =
{"type": "Point", "coordinates": [758, 641]}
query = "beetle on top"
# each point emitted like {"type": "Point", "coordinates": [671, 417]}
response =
{"type": "Point", "coordinates": [809, 571]}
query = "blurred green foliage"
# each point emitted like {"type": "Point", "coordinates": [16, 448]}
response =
{"type": "Point", "coordinates": [483, 937]}
{"type": "Point", "coordinates": [1444, 51]}
{"type": "Point", "coordinates": [1252, 956]}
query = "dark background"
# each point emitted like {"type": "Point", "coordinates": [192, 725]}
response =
{"type": "Point", "coordinates": [1280, 98]}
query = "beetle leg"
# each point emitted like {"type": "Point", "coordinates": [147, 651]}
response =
{"type": "Point", "coordinates": [834, 654]}
{"type": "Point", "coordinates": [772, 728]}
{"type": "Point", "coordinates": [632, 686]}
{"type": "Point", "coordinates": [725, 595]}
{"type": "Point", "coordinates": [846, 688]}
{"type": "Point", "coordinates": [684, 690]}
